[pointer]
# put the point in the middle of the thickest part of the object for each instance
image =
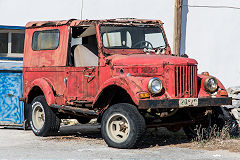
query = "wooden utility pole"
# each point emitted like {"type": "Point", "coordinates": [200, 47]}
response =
{"type": "Point", "coordinates": [177, 27]}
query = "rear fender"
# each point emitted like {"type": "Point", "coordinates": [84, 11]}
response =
{"type": "Point", "coordinates": [46, 88]}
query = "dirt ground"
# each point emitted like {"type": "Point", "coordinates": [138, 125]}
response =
{"type": "Point", "coordinates": [179, 139]}
{"type": "Point", "coordinates": [231, 145]}
{"type": "Point", "coordinates": [85, 142]}
{"type": "Point", "coordinates": [158, 137]}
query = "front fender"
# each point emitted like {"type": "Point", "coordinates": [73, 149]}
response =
{"type": "Point", "coordinates": [129, 84]}
{"type": "Point", "coordinates": [46, 88]}
{"type": "Point", "coordinates": [202, 92]}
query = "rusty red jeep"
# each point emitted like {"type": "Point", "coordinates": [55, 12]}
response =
{"type": "Point", "coordinates": [120, 71]}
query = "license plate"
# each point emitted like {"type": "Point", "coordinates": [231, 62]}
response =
{"type": "Point", "coordinates": [184, 102]}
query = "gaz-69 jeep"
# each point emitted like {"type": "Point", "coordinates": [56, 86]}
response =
{"type": "Point", "coordinates": [120, 71]}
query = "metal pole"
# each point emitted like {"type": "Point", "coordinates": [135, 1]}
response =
{"type": "Point", "coordinates": [82, 10]}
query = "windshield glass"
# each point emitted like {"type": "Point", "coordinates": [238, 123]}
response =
{"type": "Point", "coordinates": [132, 37]}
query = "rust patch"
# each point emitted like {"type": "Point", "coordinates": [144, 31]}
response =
{"type": "Point", "coordinates": [74, 22]}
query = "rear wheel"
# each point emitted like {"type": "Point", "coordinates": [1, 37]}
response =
{"type": "Point", "coordinates": [212, 124]}
{"type": "Point", "coordinates": [43, 121]}
{"type": "Point", "coordinates": [122, 126]}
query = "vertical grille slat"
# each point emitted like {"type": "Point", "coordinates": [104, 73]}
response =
{"type": "Point", "coordinates": [191, 67]}
{"type": "Point", "coordinates": [195, 79]}
{"type": "Point", "coordinates": [185, 81]}
{"type": "Point", "coordinates": [180, 77]}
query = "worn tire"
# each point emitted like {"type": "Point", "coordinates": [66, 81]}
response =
{"type": "Point", "coordinates": [124, 120]}
{"type": "Point", "coordinates": [55, 125]}
{"type": "Point", "coordinates": [43, 121]}
{"type": "Point", "coordinates": [228, 121]}
{"type": "Point", "coordinates": [219, 119]}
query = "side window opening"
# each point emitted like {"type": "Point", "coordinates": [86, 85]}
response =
{"type": "Point", "coordinates": [84, 50]}
{"type": "Point", "coordinates": [45, 40]}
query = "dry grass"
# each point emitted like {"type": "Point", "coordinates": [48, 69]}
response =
{"type": "Point", "coordinates": [214, 139]}
{"type": "Point", "coordinates": [207, 134]}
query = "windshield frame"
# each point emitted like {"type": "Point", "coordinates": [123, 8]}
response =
{"type": "Point", "coordinates": [131, 50]}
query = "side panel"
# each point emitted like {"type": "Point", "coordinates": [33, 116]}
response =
{"type": "Point", "coordinates": [11, 109]}
{"type": "Point", "coordinates": [46, 58]}
{"type": "Point", "coordinates": [48, 64]}
{"type": "Point", "coordinates": [75, 85]}
{"type": "Point", "coordinates": [54, 75]}
{"type": "Point", "coordinates": [82, 83]}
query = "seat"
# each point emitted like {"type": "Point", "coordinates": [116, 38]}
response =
{"type": "Point", "coordinates": [84, 57]}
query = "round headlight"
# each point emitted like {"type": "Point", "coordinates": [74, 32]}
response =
{"type": "Point", "coordinates": [155, 85]}
{"type": "Point", "coordinates": [211, 84]}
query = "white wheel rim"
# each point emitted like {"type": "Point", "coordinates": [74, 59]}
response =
{"type": "Point", "coordinates": [118, 128]}
{"type": "Point", "coordinates": [38, 115]}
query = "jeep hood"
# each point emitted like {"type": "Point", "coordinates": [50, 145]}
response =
{"type": "Point", "coordinates": [144, 59]}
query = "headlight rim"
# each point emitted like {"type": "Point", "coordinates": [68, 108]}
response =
{"type": "Point", "coordinates": [206, 84]}
{"type": "Point", "coordinates": [150, 86]}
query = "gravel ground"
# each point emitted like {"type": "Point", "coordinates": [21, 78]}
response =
{"type": "Point", "coordinates": [85, 142]}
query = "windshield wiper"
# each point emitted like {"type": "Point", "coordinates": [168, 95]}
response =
{"type": "Point", "coordinates": [148, 50]}
{"type": "Point", "coordinates": [157, 50]}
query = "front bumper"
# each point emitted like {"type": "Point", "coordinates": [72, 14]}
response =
{"type": "Point", "coordinates": [174, 103]}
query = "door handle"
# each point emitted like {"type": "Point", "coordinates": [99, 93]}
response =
{"type": "Point", "coordinates": [89, 75]}
{"type": "Point", "coordinates": [65, 80]}
{"type": "Point", "coordinates": [90, 68]}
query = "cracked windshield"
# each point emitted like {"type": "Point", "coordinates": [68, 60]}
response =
{"type": "Point", "coordinates": [132, 37]}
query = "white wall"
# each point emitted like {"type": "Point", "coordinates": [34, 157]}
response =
{"type": "Point", "coordinates": [213, 38]}
{"type": "Point", "coordinates": [19, 12]}
{"type": "Point", "coordinates": [210, 35]}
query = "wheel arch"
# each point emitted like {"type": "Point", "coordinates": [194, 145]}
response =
{"type": "Point", "coordinates": [112, 94]}
{"type": "Point", "coordinates": [38, 87]}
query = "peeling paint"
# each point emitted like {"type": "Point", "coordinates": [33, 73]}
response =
{"type": "Point", "coordinates": [11, 109]}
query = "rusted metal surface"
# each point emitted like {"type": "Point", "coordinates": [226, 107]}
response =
{"type": "Point", "coordinates": [37, 24]}
{"type": "Point", "coordinates": [76, 111]}
{"type": "Point", "coordinates": [186, 81]}
{"type": "Point", "coordinates": [174, 103]}
{"type": "Point", "coordinates": [45, 58]}
{"type": "Point", "coordinates": [73, 22]}
{"type": "Point", "coordinates": [171, 124]}
{"type": "Point", "coordinates": [126, 69]}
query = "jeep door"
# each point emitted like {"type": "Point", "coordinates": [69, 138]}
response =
{"type": "Point", "coordinates": [82, 75]}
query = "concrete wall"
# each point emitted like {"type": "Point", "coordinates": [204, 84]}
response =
{"type": "Point", "coordinates": [212, 37]}
{"type": "Point", "coordinates": [19, 12]}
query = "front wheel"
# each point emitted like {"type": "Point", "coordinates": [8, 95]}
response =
{"type": "Point", "coordinates": [43, 121]}
{"type": "Point", "coordinates": [122, 126]}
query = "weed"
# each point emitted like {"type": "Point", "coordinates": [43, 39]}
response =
{"type": "Point", "coordinates": [212, 134]}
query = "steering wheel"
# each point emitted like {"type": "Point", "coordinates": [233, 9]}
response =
{"type": "Point", "coordinates": [143, 44]}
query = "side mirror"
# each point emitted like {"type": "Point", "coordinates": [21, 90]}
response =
{"type": "Point", "coordinates": [184, 55]}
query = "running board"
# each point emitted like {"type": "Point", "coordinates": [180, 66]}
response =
{"type": "Point", "coordinates": [75, 110]}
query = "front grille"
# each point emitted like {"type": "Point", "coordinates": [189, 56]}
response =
{"type": "Point", "coordinates": [185, 81]}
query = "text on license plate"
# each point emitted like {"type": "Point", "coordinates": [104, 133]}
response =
{"type": "Point", "coordinates": [183, 102]}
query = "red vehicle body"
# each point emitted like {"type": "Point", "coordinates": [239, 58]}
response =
{"type": "Point", "coordinates": [126, 86]}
